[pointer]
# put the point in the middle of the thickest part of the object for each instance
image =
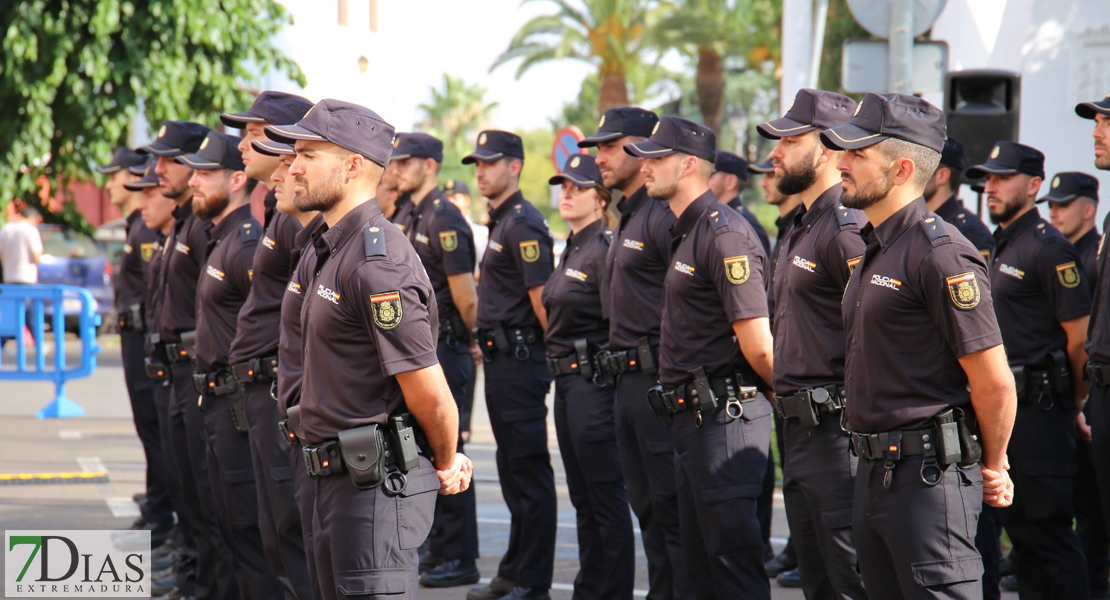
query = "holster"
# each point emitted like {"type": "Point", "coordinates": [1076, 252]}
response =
{"type": "Point", "coordinates": [290, 428]}
{"type": "Point", "coordinates": [363, 455]}
{"type": "Point", "coordinates": [131, 318]}
{"type": "Point", "coordinates": [403, 441]}
{"type": "Point", "coordinates": [156, 370]}
{"type": "Point", "coordinates": [658, 402]}
{"type": "Point", "coordinates": [646, 354]}
{"type": "Point", "coordinates": [237, 405]}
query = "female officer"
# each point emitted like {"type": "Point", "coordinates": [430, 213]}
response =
{"type": "Point", "coordinates": [576, 331]}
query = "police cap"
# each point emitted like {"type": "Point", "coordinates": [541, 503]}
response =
{"type": "Point", "coordinates": [218, 151]}
{"type": "Point", "coordinates": [953, 154]}
{"type": "Point", "coordinates": [1069, 186]}
{"type": "Point", "coordinates": [350, 126]}
{"type": "Point", "coordinates": [1010, 158]}
{"type": "Point", "coordinates": [619, 122]}
{"type": "Point", "coordinates": [456, 186]}
{"type": "Point", "coordinates": [675, 134]}
{"type": "Point", "coordinates": [277, 108]}
{"type": "Point", "coordinates": [810, 110]}
{"type": "Point", "coordinates": [176, 138]}
{"type": "Point", "coordinates": [494, 144]}
{"type": "Point", "coordinates": [1088, 110]}
{"type": "Point", "coordinates": [123, 158]}
{"type": "Point", "coordinates": [761, 168]}
{"type": "Point", "coordinates": [581, 170]}
{"type": "Point", "coordinates": [148, 180]}
{"type": "Point", "coordinates": [271, 148]}
{"type": "Point", "coordinates": [420, 145]}
{"type": "Point", "coordinates": [890, 115]}
{"type": "Point", "coordinates": [732, 164]}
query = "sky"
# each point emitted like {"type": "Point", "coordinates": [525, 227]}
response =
{"type": "Point", "coordinates": [416, 43]}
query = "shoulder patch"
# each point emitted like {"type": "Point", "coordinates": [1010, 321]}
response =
{"type": "Point", "coordinates": [1068, 274]}
{"type": "Point", "coordinates": [530, 250]}
{"type": "Point", "coordinates": [373, 242]}
{"type": "Point", "coordinates": [449, 240]}
{"type": "Point", "coordinates": [935, 229]}
{"type": "Point", "coordinates": [251, 233]}
{"type": "Point", "coordinates": [846, 217]}
{"type": "Point", "coordinates": [1042, 230]}
{"type": "Point", "coordinates": [737, 269]}
{"type": "Point", "coordinates": [963, 290]}
{"type": "Point", "coordinates": [387, 310]}
{"type": "Point", "coordinates": [718, 220]}
{"type": "Point", "coordinates": [518, 212]}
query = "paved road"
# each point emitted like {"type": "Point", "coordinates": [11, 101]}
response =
{"type": "Point", "coordinates": [104, 440]}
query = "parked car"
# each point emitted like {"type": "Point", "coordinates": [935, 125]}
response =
{"type": "Point", "coordinates": [112, 237]}
{"type": "Point", "coordinates": [71, 258]}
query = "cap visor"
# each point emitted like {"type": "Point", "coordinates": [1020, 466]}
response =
{"type": "Point", "coordinates": [1054, 199]}
{"type": "Point", "coordinates": [270, 148]}
{"type": "Point", "coordinates": [137, 169]}
{"type": "Point", "coordinates": [582, 183]}
{"type": "Point", "coordinates": [141, 184]}
{"type": "Point", "coordinates": [648, 149]}
{"type": "Point", "coordinates": [1088, 110]}
{"type": "Point", "coordinates": [989, 168]}
{"type": "Point", "coordinates": [109, 168]}
{"type": "Point", "coordinates": [288, 134]}
{"type": "Point", "coordinates": [399, 156]}
{"type": "Point", "coordinates": [238, 120]}
{"type": "Point", "coordinates": [600, 137]}
{"type": "Point", "coordinates": [760, 168]}
{"type": "Point", "coordinates": [780, 128]}
{"type": "Point", "coordinates": [850, 137]}
{"type": "Point", "coordinates": [197, 161]}
{"type": "Point", "coordinates": [159, 149]}
{"type": "Point", "coordinates": [477, 156]}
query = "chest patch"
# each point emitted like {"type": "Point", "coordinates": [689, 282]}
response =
{"type": "Point", "coordinates": [633, 244]}
{"type": "Point", "coordinates": [182, 248]}
{"type": "Point", "coordinates": [328, 294]}
{"type": "Point", "coordinates": [388, 313]}
{"type": "Point", "coordinates": [852, 262]}
{"type": "Point", "coordinates": [293, 288]}
{"type": "Point", "coordinates": [1014, 272]}
{"type": "Point", "coordinates": [963, 289]}
{"type": "Point", "coordinates": [420, 237]}
{"type": "Point", "coordinates": [887, 282]}
{"type": "Point", "coordinates": [268, 243]}
{"type": "Point", "coordinates": [1068, 275]}
{"type": "Point", "coordinates": [495, 246]}
{"type": "Point", "coordinates": [214, 273]}
{"type": "Point", "coordinates": [805, 265]}
{"type": "Point", "coordinates": [737, 269]}
{"type": "Point", "coordinates": [575, 274]}
{"type": "Point", "coordinates": [683, 268]}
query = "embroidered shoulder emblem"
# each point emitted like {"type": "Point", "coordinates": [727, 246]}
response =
{"type": "Point", "coordinates": [737, 269]}
{"type": "Point", "coordinates": [963, 289]}
{"type": "Point", "coordinates": [448, 240]}
{"type": "Point", "coordinates": [530, 251]}
{"type": "Point", "coordinates": [1068, 274]}
{"type": "Point", "coordinates": [387, 310]}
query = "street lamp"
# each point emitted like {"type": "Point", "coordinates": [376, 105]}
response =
{"type": "Point", "coordinates": [738, 123]}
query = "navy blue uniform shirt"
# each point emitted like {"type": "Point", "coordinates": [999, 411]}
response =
{"type": "Point", "coordinates": [445, 243]}
{"type": "Point", "coordinates": [969, 224]}
{"type": "Point", "coordinates": [224, 285]}
{"type": "Point", "coordinates": [573, 295]}
{"type": "Point", "coordinates": [134, 277]}
{"type": "Point", "coordinates": [185, 251]}
{"type": "Point", "coordinates": [519, 257]}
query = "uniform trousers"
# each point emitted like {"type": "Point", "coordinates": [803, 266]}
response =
{"type": "Point", "coordinates": [719, 472]}
{"type": "Point", "coordinates": [1090, 522]}
{"type": "Point", "coordinates": [184, 533]}
{"type": "Point", "coordinates": [279, 521]}
{"type": "Point", "coordinates": [455, 527]}
{"type": "Point", "coordinates": [515, 399]}
{"type": "Point", "coordinates": [915, 541]}
{"type": "Point", "coordinates": [646, 450]}
{"type": "Point", "coordinates": [215, 578]}
{"type": "Point", "coordinates": [366, 539]}
{"type": "Point", "coordinates": [1042, 465]}
{"type": "Point", "coordinates": [817, 488]}
{"type": "Point", "coordinates": [304, 492]}
{"type": "Point", "coordinates": [588, 445]}
{"type": "Point", "coordinates": [140, 389]}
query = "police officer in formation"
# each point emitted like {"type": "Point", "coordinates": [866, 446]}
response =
{"type": "Point", "coordinates": [577, 331]}
{"type": "Point", "coordinates": [730, 175]}
{"type": "Point", "coordinates": [816, 260]}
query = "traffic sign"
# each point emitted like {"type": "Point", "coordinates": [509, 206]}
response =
{"type": "Point", "coordinates": [566, 145]}
{"type": "Point", "coordinates": [874, 15]}
{"type": "Point", "coordinates": [864, 64]}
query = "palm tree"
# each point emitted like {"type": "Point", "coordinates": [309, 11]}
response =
{"type": "Point", "coordinates": [455, 114]}
{"type": "Point", "coordinates": [608, 34]}
{"type": "Point", "coordinates": [715, 32]}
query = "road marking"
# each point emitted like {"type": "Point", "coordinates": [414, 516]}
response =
{"type": "Point", "coordinates": [69, 434]}
{"type": "Point", "coordinates": [122, 507]}
{"type": "Point", "coordinates": [36, 478]}
{"type": "Point", "coordinates": [91, 464]}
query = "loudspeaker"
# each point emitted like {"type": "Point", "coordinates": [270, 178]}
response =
{"type": "Point", "coordinates": [982, 107]}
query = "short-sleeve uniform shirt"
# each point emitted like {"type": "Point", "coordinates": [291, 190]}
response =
{"type": "Point", "coordinates": [259, 321]}
{"type": "Point", "coordinates": [403, 214]}
{"type": "Point", "coordinates": [969, 224]}
{"type": "Point", "coordinates": [519, 257]}
{"type": "Point", "coordinates": [184, 254]}
{"type": "Point", "coordinates": [1087, 248]}
{"type": "Point", "coordinates": [152, 300]}
{"type": "Point", "coordinates": [290, 349]}
{"type": "Point", "coordinates": [369, 313]}
{"type": "Point", "coordinates": [224, 285]}
{"type": "Point", "coordinates": [917, 302]}
{"type": "Point", "coordinates": [820, 252]}
{"type": "Point", "coordinates": [133, 278]}
{"type": "Point", "coordinates": [715, 279]}
{"type": "Point", "coordinates": [1037, 283]}
{"type": "Point", "coordinates": [761, 232]}
{"type": "Point", "coordinates": [1098, 332]}
{"type": "Point", "coordinates": [572, 297]}
{"type": "Point", "coordinates": [638, 260]}
{"type": "Point", "coordinates": [444, 243]}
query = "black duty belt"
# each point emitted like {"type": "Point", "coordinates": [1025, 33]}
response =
{"type": "Point", "coordinates": [1099, 374]}
{"type": "Point", "coordinates": [183, 350]}
{"type": "Point", "coordinates": [808, 404]}
{"type": "Point", "coordinates": [256, 369]}
{"type": "Point", "coordinates": [1046, 384]}
{"type": "Point", "coordinates": [513, 341]}
{"type": "Point", "coordinates": [290, 428]}
{"type": "Point", "coordinates": [702, 395]}
{"type": "Point", "coordinates": [641, 358]}
{"type": "Point", "coordinates": [372, 454]}
{"type": "Point", "coordinates": [582, 362]}
{"type": "Point", "coordinates": [216, 383]}
{"type": "Point", "coordinates": [156, 370]}
{"type": "Point", "coordinates": [952, 438]}
{"type": "Point", "coordinates": [131, 318]}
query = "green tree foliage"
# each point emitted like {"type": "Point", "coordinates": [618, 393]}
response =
{"type": "Point", "coordinates": [74, 73]}
{"type": "Point", "coordinates": [609, 34]}
{"type": "Point", "coordinates": [840, 27]}
{"type": "Point", "coordinates": [455, 114]}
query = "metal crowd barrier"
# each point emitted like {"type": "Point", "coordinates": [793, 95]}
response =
{"type": "Point", "coordinates": [27, 308]}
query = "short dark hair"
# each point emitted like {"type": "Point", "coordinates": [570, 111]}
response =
{"type": "Point", "coordinates": [925, 160]}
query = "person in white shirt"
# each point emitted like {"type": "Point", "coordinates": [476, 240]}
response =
{"type": "Point", "coordinates": [20, 246]}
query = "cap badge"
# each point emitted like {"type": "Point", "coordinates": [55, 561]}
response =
{"type": "Point", "coordinates": [858, 106]}
{"type": "Point", "coordinates": [450, 184]}
{"type": "Point", "coordinates": [1056, 182]}
{"type": "Point", "coordinates": [396, 141]}
{"type": "Point", "coordinates": [656, 128]}
{"type": "Point", "coordinates": [601, 123]}
{"type": "Point", "coordinates": [792, 101]}
{"type": "Point", "coordinates": [574, 162]}
{"type": "Point", "coordinates": [162, 131]}
{"type": "Point", "coordinates": [994, 153]}
{"type": "Point", "coordinates": [204, 144]}
{"type": "Point", "coordinates": [482, 140]}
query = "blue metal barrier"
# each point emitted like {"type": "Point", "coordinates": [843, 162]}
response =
{"type": "Point", "coordinates": [25, 307]}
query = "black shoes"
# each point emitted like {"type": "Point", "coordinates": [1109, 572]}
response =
{"type": "Point", "coordinates": [779, 564]}
{"type": "Point", "coordinates": [496, 590]}
{"type": "Point", "coordinates": [429, 561]}
{"type": "Point", "coordinates": [451, 573]}
{"type": "Point", "coordinates": [519, 593]}
{"type": "Point", "coordinates": [790, 579]}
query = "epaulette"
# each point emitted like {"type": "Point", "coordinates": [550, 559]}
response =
{"type": "Point", "coordinates": [846, 217]}
{"type": "Point", "coordinates": [438, 206]}
{"type": "Point", "coordinates": [718, 220]}
{"type": "Point", "coordinates": [935, 229]}
{"type": "Point", "coordinates": [607, 235]}
{"type": "Point", "coordinates": [1042, 230]}
{"type": "Point", "coordinates": [518, 212]}
{"type": "Point", "coordinates": [251, 233]}
{"type": "Point", "coordinates": [373, 242]}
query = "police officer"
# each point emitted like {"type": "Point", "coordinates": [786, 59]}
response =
{"type": "Point", "coordinates": [511, 324]}
{"type": "Point", "coordinates": [784, 566]}
{"type": "Point", "coordinates": [369, 319]}
{"type": "Point", "coordinates": [446, 249]}
{"type": "Point", "coordinates": [713, 298]}
{"type": "Point", "coordinates": [1072, 206]}
{"type": "Point", "coordinates": [1042, 307]}
{"type": "Point", "coordinates": [583, 407]}
{"type": "Point", "coordinates": [816, 261]}
{"type": "Point", "coordinates": [637, 262]}
{"type": "Point", "coordinates": [388, 195]}
{"type": "Point", "coordinates": [730, 175]}
{"type": "Point", "coordinates": [253, 353]}
{"type": "Point", "coordinates": [940, 197]}
{"type": "Point", "coordinates": [290, 348]}
{"type": "Point", "coordinates": [221, 200]}
{"type": "Point", "coordinates": [130, 284]}
{"type": "Point", "coordinates": [922, 341]}
{"type": "Point", "coordinates": [183, 256]}
{"type": "Point", "coordinates": [402, 215]}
